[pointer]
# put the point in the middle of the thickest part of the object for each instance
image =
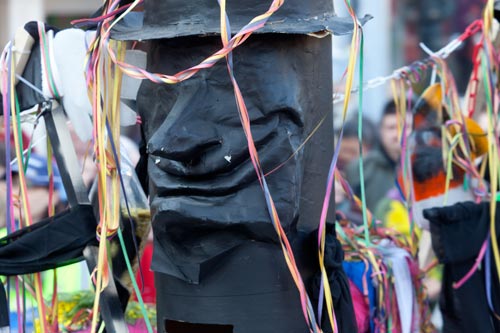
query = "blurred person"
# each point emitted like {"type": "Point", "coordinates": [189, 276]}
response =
{"type": "Point", "coordinates": [393, 213]}
{"type": "Point", "coordinates": [349, 151]}
{"type": "Point", "coordinates": [37, 180]}
{"type": "Point", "coordinates": [379, 165]}
{"type": "Point", "coordinates": [76, 276]}
{"type": "Point", "coordinates": [349, 146]}
{"type": "Point", "coordinates": [70, 278]}
{"type": "Point", "coordinates": [129, 152]}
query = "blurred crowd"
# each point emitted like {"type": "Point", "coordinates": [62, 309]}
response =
{"type": "Point", "coordinates": [46, 200]}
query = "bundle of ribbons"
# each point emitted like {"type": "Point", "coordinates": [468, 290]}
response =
{"type": "Point", "coordinates": [447, 185]}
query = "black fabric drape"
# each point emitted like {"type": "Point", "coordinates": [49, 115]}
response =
{"type": "Point", "coordinates": [339, 284]}
{"type": "Point", "coordinates": [49, 243]}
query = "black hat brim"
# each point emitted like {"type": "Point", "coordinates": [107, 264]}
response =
{"type": "Point", "coordinates": [132, 27]}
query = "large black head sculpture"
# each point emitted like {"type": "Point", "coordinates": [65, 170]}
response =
{"type": "Point", "coordinates": [219, 266]}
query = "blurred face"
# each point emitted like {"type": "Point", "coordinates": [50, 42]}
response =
{"type": "Point", "coordinates": [389, 136]}
{"type": "Point", "coordinates": [349, 151]}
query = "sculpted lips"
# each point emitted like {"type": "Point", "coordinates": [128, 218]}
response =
{"type": "Point", "coordinates": [229, 163]}
{"type": "Point", "coordinates": [188, 153]}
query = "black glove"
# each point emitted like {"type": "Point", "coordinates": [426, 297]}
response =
{"type": "Point", "coordinates": [458, 231]}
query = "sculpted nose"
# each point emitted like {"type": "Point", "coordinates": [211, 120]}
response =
{"type": "Point", "coordinates": [186, 142]}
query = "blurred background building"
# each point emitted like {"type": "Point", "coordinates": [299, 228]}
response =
{"type": "Point", "coordinates": [392, 37]}
{"type": "Point", "coordinates": [15, 13]}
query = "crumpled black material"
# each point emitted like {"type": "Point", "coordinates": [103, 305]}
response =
{"type": "Point", "coordinates": [49, 243]}
{"type": "Point", "coordinates": [458, 232]}
{"type": "Point", "coordinates": [339, 284]}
